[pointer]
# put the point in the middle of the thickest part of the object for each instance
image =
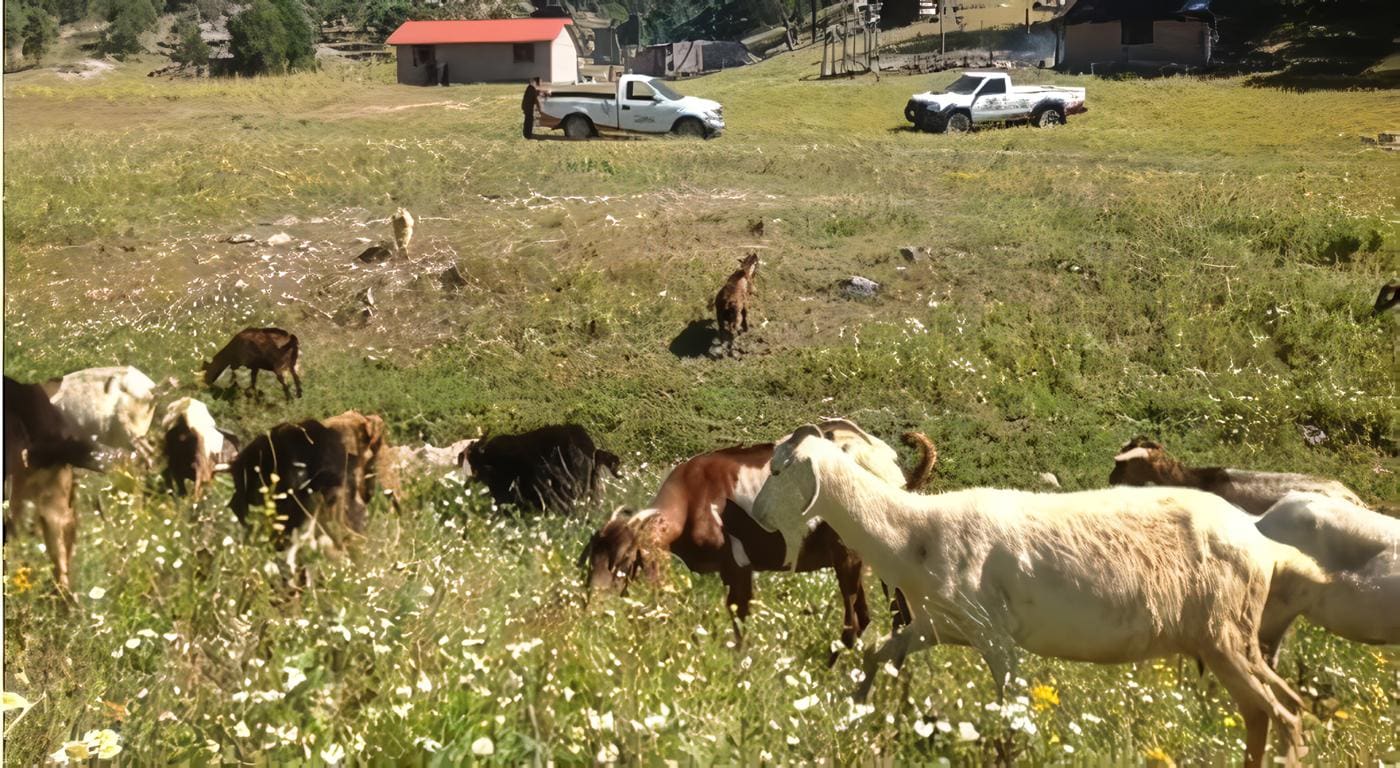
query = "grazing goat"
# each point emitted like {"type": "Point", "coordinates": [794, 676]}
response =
{"type": "Point", "coordinates": [366, 441]}
{"type": "Point", "coordinates": [115, 405]}
{"type": "Point", "coordinates": [194, 445]}
{"type": "Point", "coordinates": [732, 301]}
{"type": "Point", "coordinates": [701, 515]}
{"type": "Point", "coordinates": [1144, 462]}
{"type": "Point", "coordinates": [311, 466]}
{"type": "Point", "coordinates": [258, 349]}
{"type": "Point", "coordinates": [42, 446]}
{"type": "Point", "coordinates": [1108, 576]}
{"type": "Point", "coordinates": [1358, 549]}
{"type": "Point", "coordinates": [546, 468]}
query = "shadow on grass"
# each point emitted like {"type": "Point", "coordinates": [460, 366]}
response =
{"type": "Point", "coordinates": [699, 339]}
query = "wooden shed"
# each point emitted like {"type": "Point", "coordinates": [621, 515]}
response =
{"type": "Point", "coordinates": [485, 51]}
{"type": "Point", "coordinates": [1105, 35]}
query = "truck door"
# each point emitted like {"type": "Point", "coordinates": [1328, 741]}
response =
{"type": "Point", "coordinates": [638, 108]}
{"type": "Point", "coordinates": [990, 103]}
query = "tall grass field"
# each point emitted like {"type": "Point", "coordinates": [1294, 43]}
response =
{"type": "Point", "coordinates": [1193, 259]}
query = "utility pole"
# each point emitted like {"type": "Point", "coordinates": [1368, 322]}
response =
{"type": "Point", "coordinates": [942, 37]}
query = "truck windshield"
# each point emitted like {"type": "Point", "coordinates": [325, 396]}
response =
{"type": "Point", "coordinates": [666, 93]}
{"type": "Point", "coordinates": [965, 85]}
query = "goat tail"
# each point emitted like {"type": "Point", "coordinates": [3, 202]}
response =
{"type": "Point", "coordinates": [918, 476]}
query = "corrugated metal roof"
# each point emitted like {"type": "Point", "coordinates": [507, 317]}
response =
{"type": "Point", "coordinates": [1080, 11]}
{"type": "Point", "coordinates": [478, 31]}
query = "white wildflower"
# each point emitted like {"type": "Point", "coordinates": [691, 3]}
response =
{"type": "Point", "coordinates": [483, 747]}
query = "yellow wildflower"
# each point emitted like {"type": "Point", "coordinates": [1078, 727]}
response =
{"type": "Point", "coordinates": [1341, 714]}
{"type": "Point", "coordinates": [1158, 758]}
{"type": "Point", "coordinates": [20, 580]}
{"type": "Point", "coordinates": [1044, 697]}
{"type": "Point", "coordinates": [1229, 721]}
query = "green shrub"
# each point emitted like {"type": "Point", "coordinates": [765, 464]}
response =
{"type": "Point", "coordinates": [271, 36]}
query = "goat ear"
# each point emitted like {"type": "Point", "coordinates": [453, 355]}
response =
{"type": "Point", "coordinates": [1132, 453]}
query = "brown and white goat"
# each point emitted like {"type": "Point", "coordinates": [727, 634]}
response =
{"type": "Point", "coordinates": [366, 443]}
{"type": "Point", "coordinates": [194, 446]}
{"type": "Point", "coordinates": [1144, 462]}
{"type": "Point", "coordinates": [732, 301]}
{"type": "Point", "coordinates": [700, 514]}
{"type": "Point", "coordinates": [42, 446]}
{"type": "Point", "coordinates": [258, 349]}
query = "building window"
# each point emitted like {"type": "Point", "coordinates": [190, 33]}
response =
{"type": "Point", "coordinates": [1137, 31]}
{"type": "Point", "coordinates": [524, 53]}
{"type": "Point", "coordinates": [422, 54]}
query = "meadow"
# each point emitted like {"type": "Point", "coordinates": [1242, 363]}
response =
{"type": "Point", "coordinates": [1193, 259]}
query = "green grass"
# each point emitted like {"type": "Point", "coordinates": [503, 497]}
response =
{"type": "Point", "coordinates": [1193, 259]}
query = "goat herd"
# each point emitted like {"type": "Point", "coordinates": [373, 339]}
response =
{"type": "Point", "coordinates": [1214, 563]}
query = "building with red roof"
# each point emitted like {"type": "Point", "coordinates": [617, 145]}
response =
{"type": "Point", "coordinates": [485, 51]}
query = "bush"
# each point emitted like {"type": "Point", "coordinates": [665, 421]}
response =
{"type": "Point", "coordinates": [190, 48]}
{"type": "Point", "coordinates": [271, 36]}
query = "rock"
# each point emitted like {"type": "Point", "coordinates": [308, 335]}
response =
{"type": "Point", "coordinates": [281, 238]}
{"type": "Point", "coordinates": [375, 254]}
{"type": "Point", "coordinates": [363, 240]}
{"type": "Point", "coordinates": [239, 239]}
{"type": "Point", "coordinates": [452, 278]}
{"type": "Point", "coordinates": [1313, 435]}
{"type": "Point", "coordinates": [914, 252]}
{"type": "Point", "coordinates": [287, 221]}
{"type": "Point", "coordinates": [1048, 479]}
{"type": "Point", "coordinates": [306, 247]}
{"type": "Point", "coordinates": [857, 287]}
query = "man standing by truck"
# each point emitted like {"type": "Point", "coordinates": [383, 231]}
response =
{"type": "Point", "coordinates": [532, 97]}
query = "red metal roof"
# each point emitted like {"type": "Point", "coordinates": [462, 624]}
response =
{"type": "Point", "coordinates": [478, 31]}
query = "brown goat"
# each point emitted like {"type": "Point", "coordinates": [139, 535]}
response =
{"type": "Point", "coordinates": [42, 446]}
{"type": "Point", "coordinates": [699, 514]}
{"type": "Point", "coordinates": [366, 444]}
{"type": "Point", "coordinates": [1144, 462]}
{"type": "Point", "coordinates": [258, 349]}
{"type": "Point", "coordinates": [732, 301]}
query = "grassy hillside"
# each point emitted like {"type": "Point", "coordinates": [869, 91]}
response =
{"type": "Point", "coordinates": [1192, 259]}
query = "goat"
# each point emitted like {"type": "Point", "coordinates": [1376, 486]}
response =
{"type": "Point", "coordinates": [42, 446]}
{"type": "Point", "coordinates": [1144, 462]}
{"type": "Point", "coordinates": [365, 439]}
{"type": "Point", "coordinates": [1358, 549]}
{"type": "Point", "coordinates": [1107, 576]}
{"type": "Point", "coordinates": [546, 468]}
{"type": "Point", "coordinates": [403, 230]}
{"type": "Point", "coordinates": [732, 301]}
{"type": "Point", "coordinates": [193, 445]}
{"type": "Point", "coordinates": [701, 514]}
{"type": "Point", "coordinates": [305, 466]}
{"type": "Point", "coordinates": [258, 349]}
{"type": "Point", "coordinates": [113, 405]}
{"type": "Point", "coordinates": [1387, 298]}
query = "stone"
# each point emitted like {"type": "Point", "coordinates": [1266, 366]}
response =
{"type": "Point", "coordinates": [858, 287]}
{"type": "Point", "coordinates": [239, 239]}
{"type": "Point", "coordinates": [281, 238]}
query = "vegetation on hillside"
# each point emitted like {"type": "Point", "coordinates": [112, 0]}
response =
{"type": "Point", "coordinates": [1189, 260]}
{"type": "Point", "coordinates": [272, 36]}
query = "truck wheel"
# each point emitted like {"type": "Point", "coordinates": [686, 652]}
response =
{"type": "Point", "coordinates": [578, 127]}
{"type": "Point", "coordinates": [689, 127]}
{"type": "Point", "coordinates": [958, 122]}
{"type": "Point", "coordinates": [1046, 117]}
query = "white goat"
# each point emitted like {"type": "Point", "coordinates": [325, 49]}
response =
{"type": "Point", "coordinates": [1360, 552]}
{"type": "Point", "coordinates": [1106, 576]}
{"type": "Point", "coordinates": [193, 445]}
{"type": "Point", "coordinates": [115, 405]}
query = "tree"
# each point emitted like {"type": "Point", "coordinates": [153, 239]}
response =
{"type": "Point", "coordinates": [129, 19]}
{"type": "Point", "coordinates": [190, 48]}
{"type": "Point", "coordinates": [384, 16]}
{"type": "Point", "coordinates": [39, 33]}
{"type": "Point", "coordinates": [271, 36]}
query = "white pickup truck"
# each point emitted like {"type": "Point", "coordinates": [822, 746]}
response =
{"type": "Point", "coordinates": [978, 98]}
{"type": "Point", "coordinates": [635, 103]}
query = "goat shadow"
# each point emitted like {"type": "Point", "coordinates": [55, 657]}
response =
{"type": "Point", "coordinates": [699, 339]}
